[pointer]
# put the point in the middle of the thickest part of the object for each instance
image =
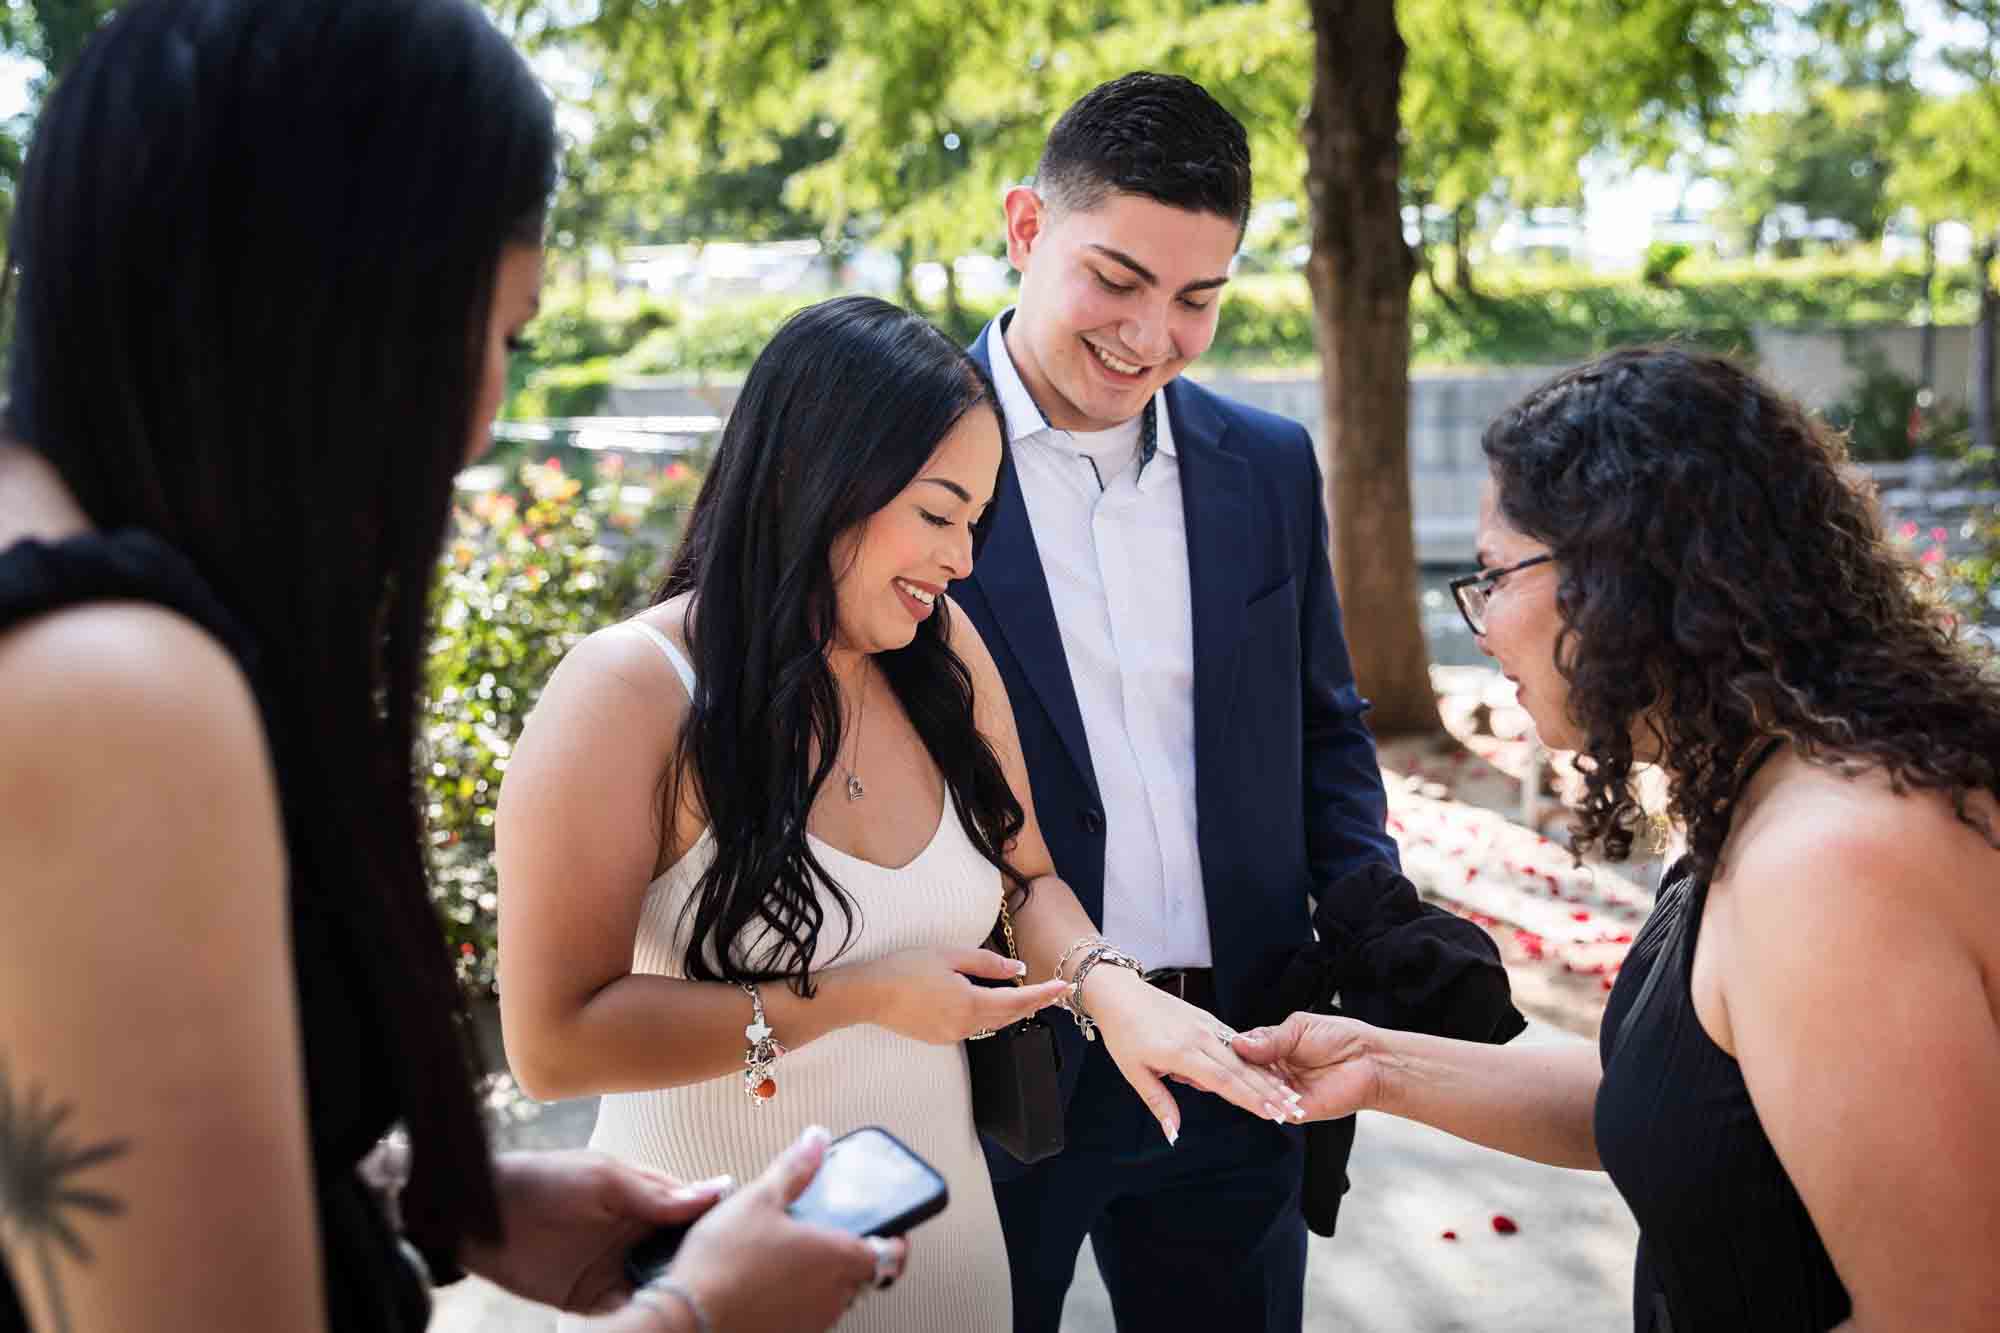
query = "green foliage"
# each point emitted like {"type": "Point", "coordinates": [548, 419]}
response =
{"type": "Point", "coordinates": [1662, 259]}
{"type": "Point", "coordinates": [1877, 413]}
{"type": "Point", "coordinates": [1952, 165]}
{"type": "Point", "coordinates": [906, 120]}
{"type": "Point", "coordinates": [716, 338]}
{"type": "Point", "coordinates": [577, 390]}
{"type": "Point", "coordinates": [531, 570]}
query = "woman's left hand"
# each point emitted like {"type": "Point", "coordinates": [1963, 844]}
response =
{"type": "Point", "coordinates": [570, 1219]}
{"type": "Point", "coordinates": [1153, 1036]}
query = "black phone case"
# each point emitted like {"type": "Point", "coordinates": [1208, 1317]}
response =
{"type": "Point", "coordinates": [654, 1252]}
{"type": "Point", "coordinates": [909, 1217]}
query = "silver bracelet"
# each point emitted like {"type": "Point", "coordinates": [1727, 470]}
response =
{"type": "Point", "coordinates": [649, 1296]}
{"type": "Point", "coordinates": [1081, 941]}
{"type": "Point", "coordinates": [1099, 953]}
{"type": "Point", "coordinates": [761, 1056]}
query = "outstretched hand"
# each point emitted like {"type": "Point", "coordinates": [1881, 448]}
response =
{"type": "Point", "coordinates": [1329, 1060]}
{"type": "Point", "coordinates": [1153, 1037]}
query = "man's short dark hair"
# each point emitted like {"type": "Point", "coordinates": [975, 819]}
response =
{"type": "Point", "coordinates": [1157, 135]}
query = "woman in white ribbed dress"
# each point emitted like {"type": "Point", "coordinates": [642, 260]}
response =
{"type": "Point", "coordinates": [800, 771]}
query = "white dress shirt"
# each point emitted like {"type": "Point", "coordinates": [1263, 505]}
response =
{"type": "Point", "coordinates": [1113, 543]}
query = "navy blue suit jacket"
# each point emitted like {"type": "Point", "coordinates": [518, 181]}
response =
{"type": "Point", "coordinates": [1288, 795]}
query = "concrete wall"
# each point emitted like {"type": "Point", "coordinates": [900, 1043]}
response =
{"type": "Point", "coordinates": [1821, 366]}
{"type": "Point", "coordinates": [1449, 410]}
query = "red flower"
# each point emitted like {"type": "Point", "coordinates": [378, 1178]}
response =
{"type": "Point", "coordinates": [1451, 1235]}
{"type": "Point", "coordinates": [1907, 532]}
{"type": "Point", "coordinates": [1940, 535]}
{"type": "Point", "coordinates": [466, 948]}
{"type": "Point", "coordinates": [1504, 1224]}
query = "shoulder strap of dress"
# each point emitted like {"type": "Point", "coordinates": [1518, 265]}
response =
{"type": "Point", "coordinates": [675, 657]}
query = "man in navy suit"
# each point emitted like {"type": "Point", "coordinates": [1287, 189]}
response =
{"type": "Point", "coordinates": [1155, 588]}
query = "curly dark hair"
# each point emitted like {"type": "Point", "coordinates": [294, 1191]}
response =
{"type": "Point", "coordinates": [1725, 583]}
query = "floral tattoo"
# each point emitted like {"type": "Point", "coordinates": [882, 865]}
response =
{"type": "Point", "coordinates": [41, 1203]}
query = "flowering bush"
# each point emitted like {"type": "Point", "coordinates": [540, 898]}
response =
{"type": "Point", "coordinates": [1960, 568]}
{"type": "Point", "coordinates": [530, 570]}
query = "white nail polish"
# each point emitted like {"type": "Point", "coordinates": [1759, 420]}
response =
{"type": "Point", "coordinates": [1173, 1136]}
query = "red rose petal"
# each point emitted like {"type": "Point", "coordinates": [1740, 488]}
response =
{"type": "Point", "coordinates": [1579, 916]}
{"type": "Point", "coordinates": [1451, 1235]}
{"type": "Point", "coordinates": [1504, 1224]}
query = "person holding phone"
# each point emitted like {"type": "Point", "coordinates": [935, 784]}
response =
{"type": "Point", "coordinates": [1798, 1077]}
{"type": "Point", "coordinates": [269, 256]}
{"type": "Point", "coordinates": [752, 840]}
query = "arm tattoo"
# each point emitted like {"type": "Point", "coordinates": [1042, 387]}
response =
{"type": "Point", "coordinates": [40, 1201]}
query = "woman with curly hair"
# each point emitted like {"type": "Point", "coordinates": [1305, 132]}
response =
{"type": "Point", "coordinates": [1798, 1077]}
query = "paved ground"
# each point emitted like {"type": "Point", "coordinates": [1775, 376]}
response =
{"type": "Point", "coordinates": [1470, 843]}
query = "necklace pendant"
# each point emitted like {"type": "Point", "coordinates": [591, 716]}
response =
{"type": "Point", "coordinates": [855, 791]}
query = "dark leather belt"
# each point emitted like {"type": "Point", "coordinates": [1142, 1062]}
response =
{"type": "Point", "coordinates": [1196, 985]}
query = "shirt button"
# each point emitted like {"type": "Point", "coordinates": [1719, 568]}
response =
{"type": "Point", "coordinates": [1091, 819]}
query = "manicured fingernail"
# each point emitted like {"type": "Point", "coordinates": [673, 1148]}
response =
{"type": "Point", "coordinates": [818, 1134]}
{"type": "Point", "coordinates": [1292, 1094]}
{"type": "Point", "coordinates": [1020, 968]}
{"type": "Point", "coordinates": [1173, 1134]}
{"type": "Point", "coordinates": [1298, 1112]}
{"type": "Point", "coordinates": [1277, 1116]}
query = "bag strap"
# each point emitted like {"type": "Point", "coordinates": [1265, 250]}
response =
{"type": "Point", "coordinates": [1007, 929]}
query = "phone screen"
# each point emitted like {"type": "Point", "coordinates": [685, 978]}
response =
{"type": "Point", "coordinates": [871, 1184]}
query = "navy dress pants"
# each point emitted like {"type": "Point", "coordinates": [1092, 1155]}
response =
{"type": "Point", "coordinates": [1203, 1236]}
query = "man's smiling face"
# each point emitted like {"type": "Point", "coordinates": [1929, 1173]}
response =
{"type": "Point", "coordinates": [1116, 300]}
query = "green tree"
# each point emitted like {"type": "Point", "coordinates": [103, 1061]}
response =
{"type": "Point", "coordinates": [1831, 151]}
{"type": "Point", "coordinates": [1952, 171]}
{"type": "Point", "coordinates": [935, 106]}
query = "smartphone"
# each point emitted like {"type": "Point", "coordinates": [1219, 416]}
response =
{"type": "Point", "coordinates": [870, 1184]}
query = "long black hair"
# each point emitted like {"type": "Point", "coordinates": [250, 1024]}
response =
{"type": "Point", "coordinates": [1724, 582]}
{"type": "Point", "coordinates": [257, 242]}
{"type": "Point", "coordinates": [837, 416]}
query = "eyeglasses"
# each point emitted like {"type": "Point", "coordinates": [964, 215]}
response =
{"type": "Point", "coordinates": [1471, 591]}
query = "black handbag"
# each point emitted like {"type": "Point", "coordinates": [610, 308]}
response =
{"type": "Point", "coordinates": [1016, 1100]}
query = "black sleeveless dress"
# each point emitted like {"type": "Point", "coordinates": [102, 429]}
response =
{"type": "Point", "coordinates": [1725, 1242]}
{"type": "Point", "coordinates": [350, 1104]}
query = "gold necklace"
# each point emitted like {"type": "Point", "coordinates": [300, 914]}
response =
{"type": "Point", "coordinates": [855, 791]}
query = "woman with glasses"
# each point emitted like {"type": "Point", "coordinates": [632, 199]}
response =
{"type": "Point", "coordinates": [1798, 1076]}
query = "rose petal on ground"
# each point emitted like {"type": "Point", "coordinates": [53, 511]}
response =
{"type": "Point", "coordinates": [1504, 1224]}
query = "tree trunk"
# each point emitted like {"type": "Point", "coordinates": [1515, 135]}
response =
{"type": "Point", "coordinates": [1920, 429]}
{"type": "Point", "coordinates": [1360, 272]}
{"type": "Point", "coordinates": [1983, 350]}
{"type": "Point", "coordinates": [954, 309]}
{"type": "Point", "coordinates": [1461, 262]}
{"type": "Point", "coordinates": [906, 276]}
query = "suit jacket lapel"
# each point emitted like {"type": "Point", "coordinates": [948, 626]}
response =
{"type": "Point", "coordinates": [1009, 575]}
{"type": "Point", "coordinates": [1215, 487]}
